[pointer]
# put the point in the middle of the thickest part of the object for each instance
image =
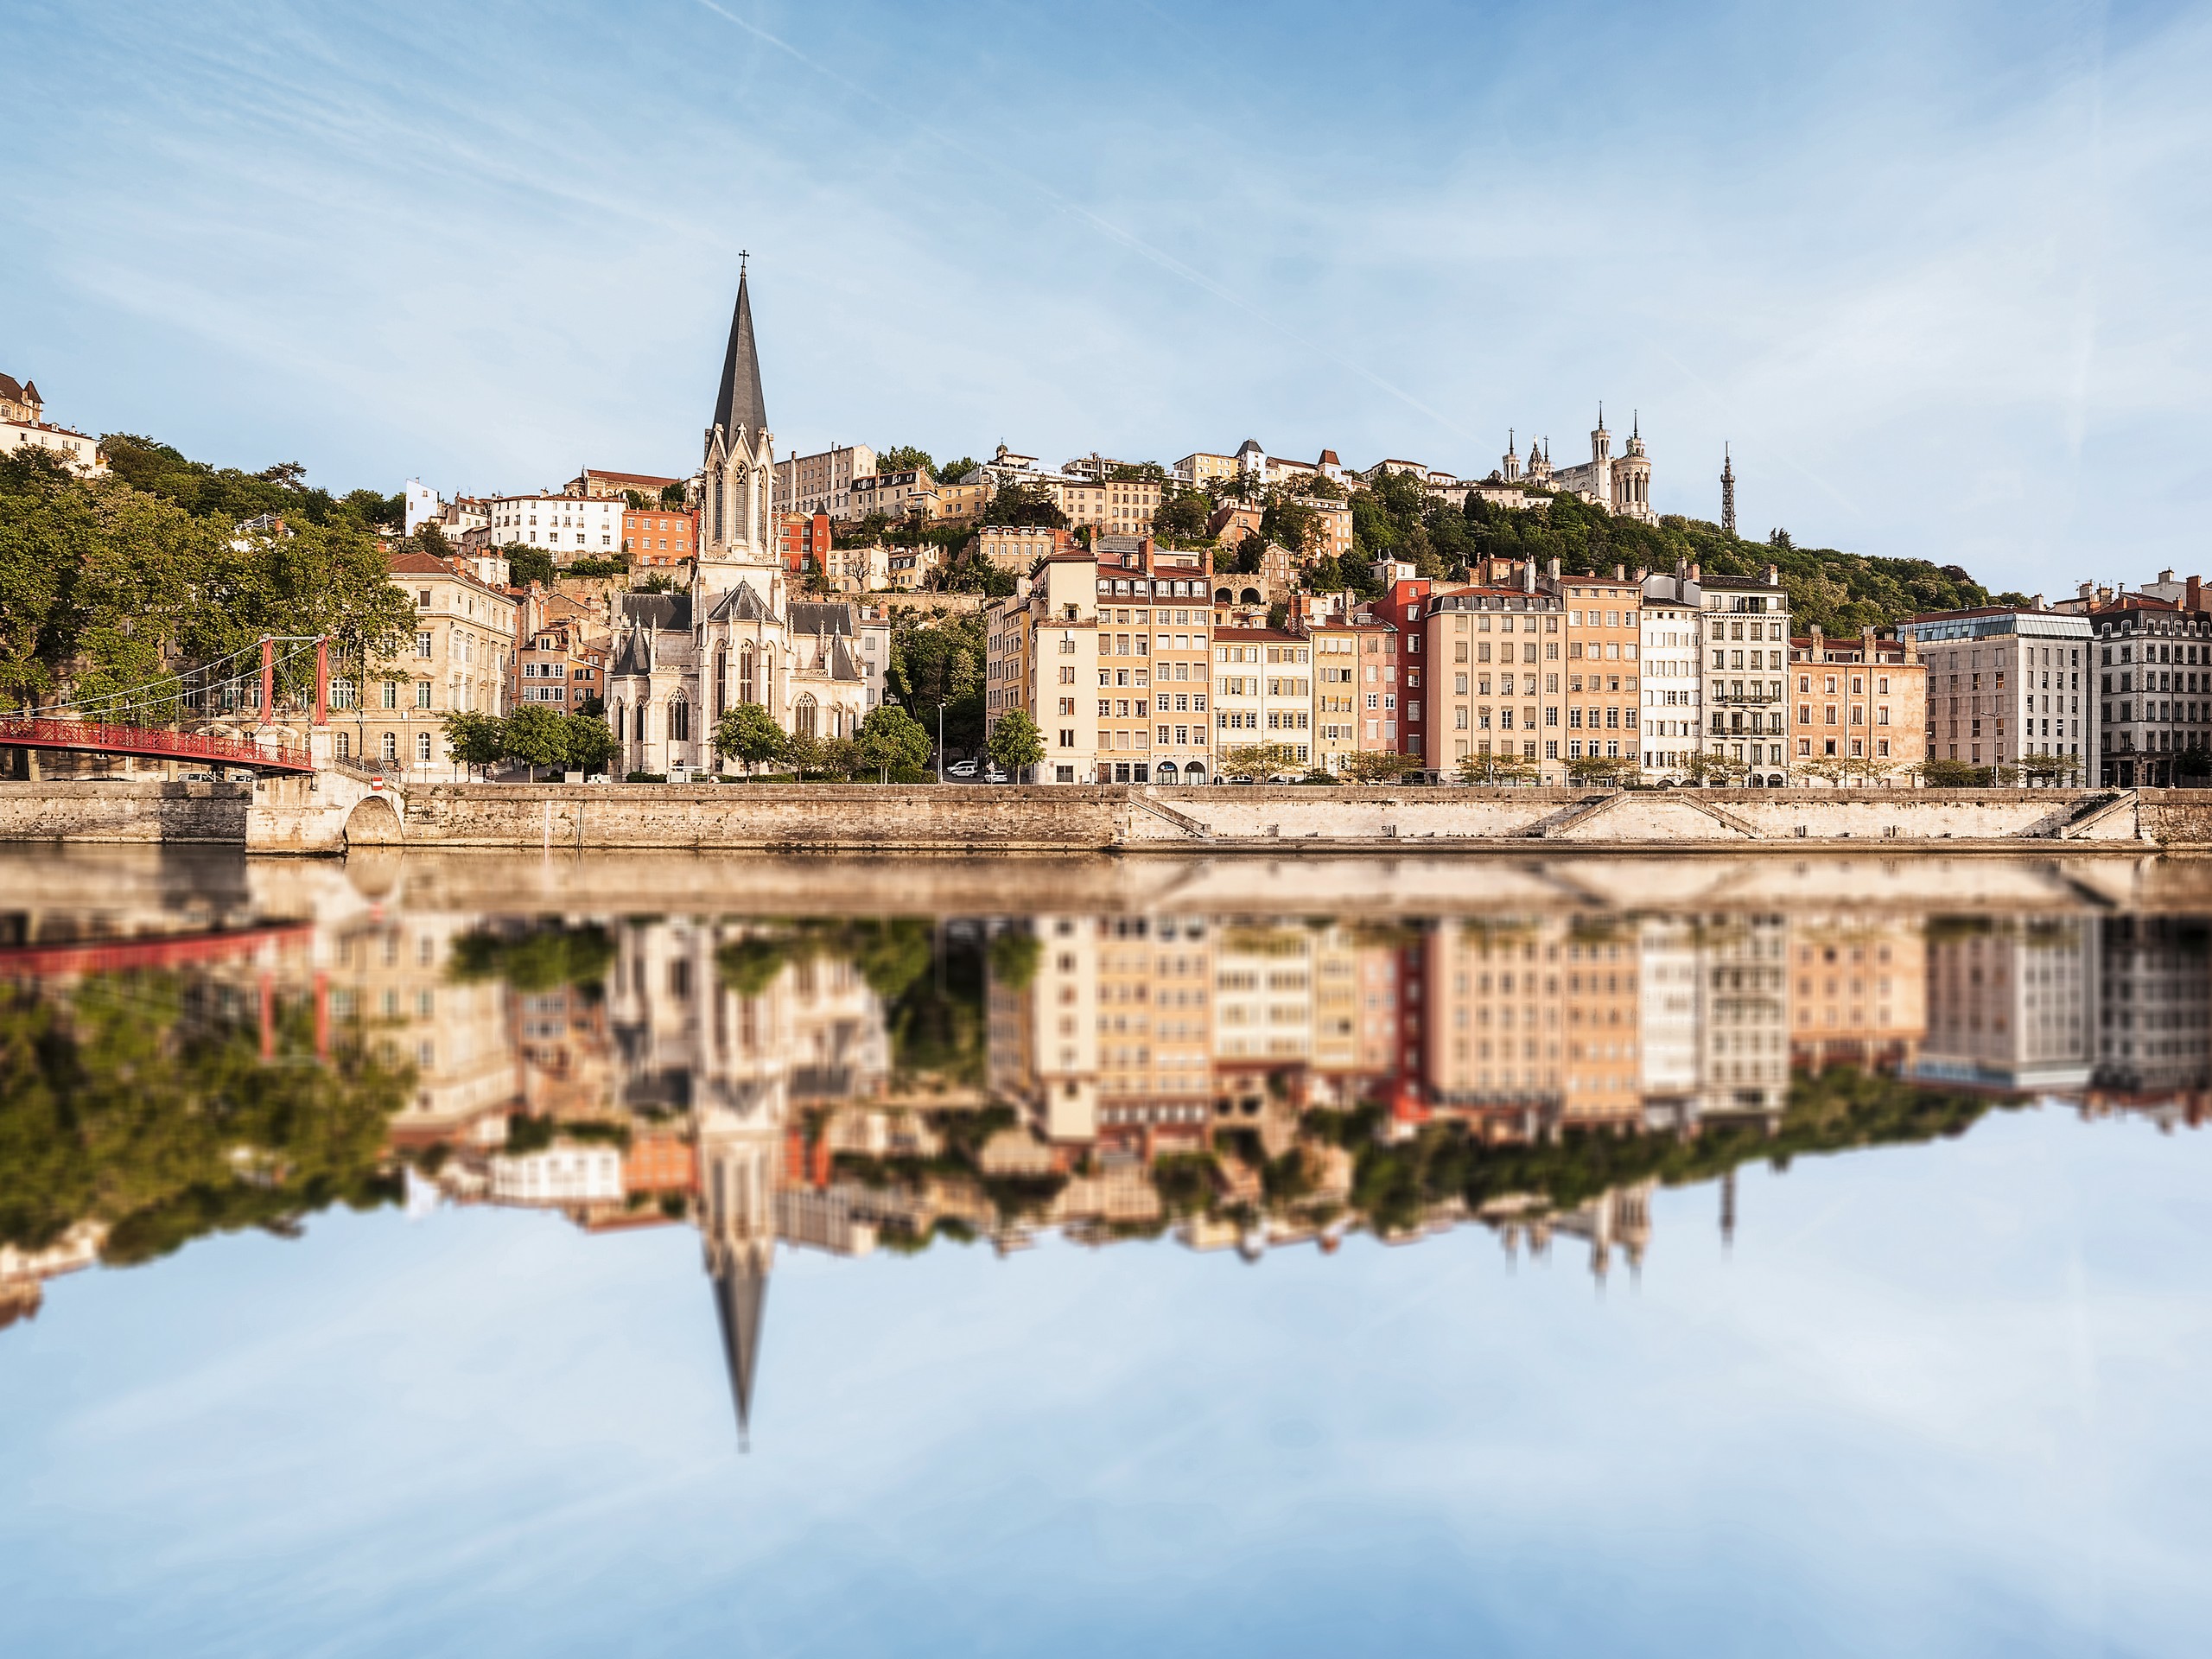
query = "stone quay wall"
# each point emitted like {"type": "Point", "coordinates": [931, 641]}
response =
{"type": "Point", "coordinates": [331, 812]}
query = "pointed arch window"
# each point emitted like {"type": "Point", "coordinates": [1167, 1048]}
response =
{"type": "Point", "coordinates": [679, 721]}
{"type": "Point", "coordinates": [721, 681]}
{"type": "Point", "coordinates": [746, 691]}
{"type": "Point", "coordinates": [805, 717]}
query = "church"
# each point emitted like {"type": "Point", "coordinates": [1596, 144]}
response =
{"type": "Point", "coordinates": [682, 660]}
{"type": "Point", "coordinates": [1620, 484]}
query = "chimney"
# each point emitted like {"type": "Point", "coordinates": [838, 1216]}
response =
{"type": "Point", "coordinates": [2194, 600]}
{"type": "Point", "coordinates": [2165, 578]}
{"type": "Point", "coordinates": [1528, 578]}
{"type": "Point", "coordinates": [1774, 575]}
{"type": "Point", "coordinates": [2035, 604]}
{"type": "Point", "coordinates": [1620, 573]}
{"type": "Point", "coordinates": [1697, 573]}
{"type": "Point", "coordinates": [2085, 592]}
{"type": "Point", "coordinates": [1641, 573]}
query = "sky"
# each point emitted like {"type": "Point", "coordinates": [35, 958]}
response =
{"type": "Point", "coordinates": [1940, 1400]}
{"type": "Point", "coordinates": [1934, 271]}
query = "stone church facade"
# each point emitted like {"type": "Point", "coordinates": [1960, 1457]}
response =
{"type": "Point", "coordinates": [1620, 484]}
{"type": "Point", "coordinates": [683, 660]}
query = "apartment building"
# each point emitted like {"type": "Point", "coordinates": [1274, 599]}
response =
{"type": "Point", "coordinates": [2004, 682]}
{"type": "Point", "coordinates": [1203, 468]}
{"type": "Point", "coordinates": [1015, 548]}
{"type": "Point", "coordinates": [1041, 657]}
{"type": "Point", "coordinates": [555, 665]}
{"type": "Point", "coordinates": [1336, 643]}
{"type": "Point", "coordinates": [659, 537]}
{"type": "Point", "coordinates": [1110, 655]}
{"type": "Point", "coordinates": [1511, 676]}
{"type": "Point", "coordinates": [959, 503]}
{"type": "Point", "coordinates": [568, 527]}
{"type": "Point", "coordinates": [1746, 628]}
{"type": "Point", "coordinates": [461, 662]}
{"type": "Point", "coordinates": [594, 484]}
{"type": "Point", "coordinates": [1163, 738]}
{"type": "Point", "coordinates": [2154, 693]}
{"type": "Point", "coordinates": [1670, 612]}
{"type": "Point", "coordinates": [1859, 702]}
{"type": "Point", "coordinates": [1604, 635]}
{"type": "Point", "coordinates": [1263, 691]}
{"type": "Point", "coordinates": [893, 495]}
{"type": "Point", "coordinates": [801, 536]}
{"type": "Point", "coordinates": [822, 482]}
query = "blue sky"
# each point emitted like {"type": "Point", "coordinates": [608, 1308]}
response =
{"type": "Point", "coordinates": [1936, 271]}
{"type": "Point", "coordinates": [1940, 1400]}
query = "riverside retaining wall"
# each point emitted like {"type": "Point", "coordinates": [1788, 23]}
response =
{"type": "Point", "coordinates": [333, 811]}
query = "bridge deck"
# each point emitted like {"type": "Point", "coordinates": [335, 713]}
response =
{"type": "Point", "coordinates": [94, 737]}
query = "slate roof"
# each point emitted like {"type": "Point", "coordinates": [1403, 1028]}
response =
{"type": "Point", "coordinates": [738, 402]}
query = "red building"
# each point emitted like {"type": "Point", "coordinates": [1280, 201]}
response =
{"type": "Point", "coordinates": [658, 536]}
{"type": "Point", "coordinates": [804, 537]}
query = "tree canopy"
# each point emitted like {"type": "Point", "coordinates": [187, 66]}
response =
{"type": "Point", "coordinates": [106, 588]}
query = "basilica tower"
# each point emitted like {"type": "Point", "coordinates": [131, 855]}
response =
{"type": "Point", "coordinates": [737, 527]}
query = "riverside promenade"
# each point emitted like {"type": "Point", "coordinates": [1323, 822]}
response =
{"type": "Point", "coordinates": [332, 812]}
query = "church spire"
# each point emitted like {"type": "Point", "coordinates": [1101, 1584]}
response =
{"type": "Point", "coordinates": [741, 1292]}
{"type": "Point", "coordinates": [1727, 492]}
{"type": "Point", "coordinates": [738, 402]}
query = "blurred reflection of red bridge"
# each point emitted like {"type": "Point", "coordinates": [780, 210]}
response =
{"type": "Point", "coordinates": [26, 964]}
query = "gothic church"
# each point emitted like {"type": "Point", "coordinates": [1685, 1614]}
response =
{"type": "Point", "coordinates": [683, 660]}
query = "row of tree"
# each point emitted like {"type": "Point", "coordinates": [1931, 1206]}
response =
{"type": "Point", "coordinates": [108, 590]}
{"type": "Point", "coordinates": [534, 735]}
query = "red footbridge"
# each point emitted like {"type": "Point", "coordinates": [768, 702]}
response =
{"type": "Point", "coordinates": [272, 754]}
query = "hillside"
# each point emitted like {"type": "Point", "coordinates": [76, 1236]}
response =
{"type": "Point", "coordinates": [1840, 592]}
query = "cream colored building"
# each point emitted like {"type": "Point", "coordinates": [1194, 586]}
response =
{"type": "Point", "coordinates": [1263, 691]}
{"type": "Point", "coordinates": [1042, 658]}
{"type": "Point", "coordinates": [824, 482]}
{"type": "Point", "coordinates": [23, 426]}
{"type": "Point", "coordinates": [460, 662]}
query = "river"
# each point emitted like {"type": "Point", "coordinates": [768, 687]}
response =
{"type": "Point", "coordinates": [465, 1254]}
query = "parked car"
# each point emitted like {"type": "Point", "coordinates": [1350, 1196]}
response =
{"type": "Point", "coordinates": [962, 769]}
{"type": "Point", "coordinates": [995, 775]}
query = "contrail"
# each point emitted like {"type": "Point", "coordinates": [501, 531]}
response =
{"type": "Point", "coordinates": [1160, 257]}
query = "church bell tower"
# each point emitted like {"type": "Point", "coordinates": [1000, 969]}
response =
{"type": "Point", "coordinates": [737, 510]}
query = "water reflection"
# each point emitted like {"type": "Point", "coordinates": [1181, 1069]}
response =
{"type": "Point", "coordinates": [1243, 1080]}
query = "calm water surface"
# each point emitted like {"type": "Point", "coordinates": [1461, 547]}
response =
{"type": "Point", "coordinates": [657, 1255]}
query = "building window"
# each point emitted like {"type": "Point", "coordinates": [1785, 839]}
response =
{"type": "Point", "coordinates": [422, 694]}
{"type": "Point", "coordinates": [421, 746]}
{"type": "Point", "coordinates": [391, 745]}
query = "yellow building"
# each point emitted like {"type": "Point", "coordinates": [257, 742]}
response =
{"type": "Point", "coordinates": [464, 646]}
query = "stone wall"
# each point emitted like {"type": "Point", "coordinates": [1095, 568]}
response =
{"type": "Point", "coordinates": [142, 810]}
{"type": "Point", "coordinates": [334, 811]}
{"type": "Point", "coordinates": [821, 818]}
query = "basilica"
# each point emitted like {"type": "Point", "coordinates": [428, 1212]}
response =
{"type": "Point", "coordinates": [682, 660]}
{"type": "Point", "coordinates": [1620, 484]}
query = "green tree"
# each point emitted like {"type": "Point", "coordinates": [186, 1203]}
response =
{"type": "Point", "coordinates": [1025, 503]}
{"type": "Point", "coordinates": [1379, 765]}
{"type": "Point", "coordinates": [535, 735]}
{"type": "Point", "coordinates": [903, 458]}
{"type": "Point", "coordinates": [1505, 768]}
{"type": "Point", "coordinates": [1260, 761]}
{"type": "Point", "coordinates": [526, 565]}
{"type": "Point", "coordinates": [1613, 770]}
{"type": "Point", "coordinates": [586, 743]}
{"type": "Point", "coordinates": [748, 733]}
{"type": "Point", "coordinates": [475, 741]}
{"type": "Point", "coordinates": [955, 472]}
{"type": "Point", "coordinates": [1181, 517]}
{"type": "Point", "coordinates": [1953, 774]}
{"type": "Point", "coordinates": [937, 663]}
{"type": "Point", "coordinates": [892, 741]}
{"type": "Point", "coordinates": [1709, 766]}
{"type": "Point", "coordinates": [673, 497]}
{"type": "Point", "coordinates": [1015, 743]}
